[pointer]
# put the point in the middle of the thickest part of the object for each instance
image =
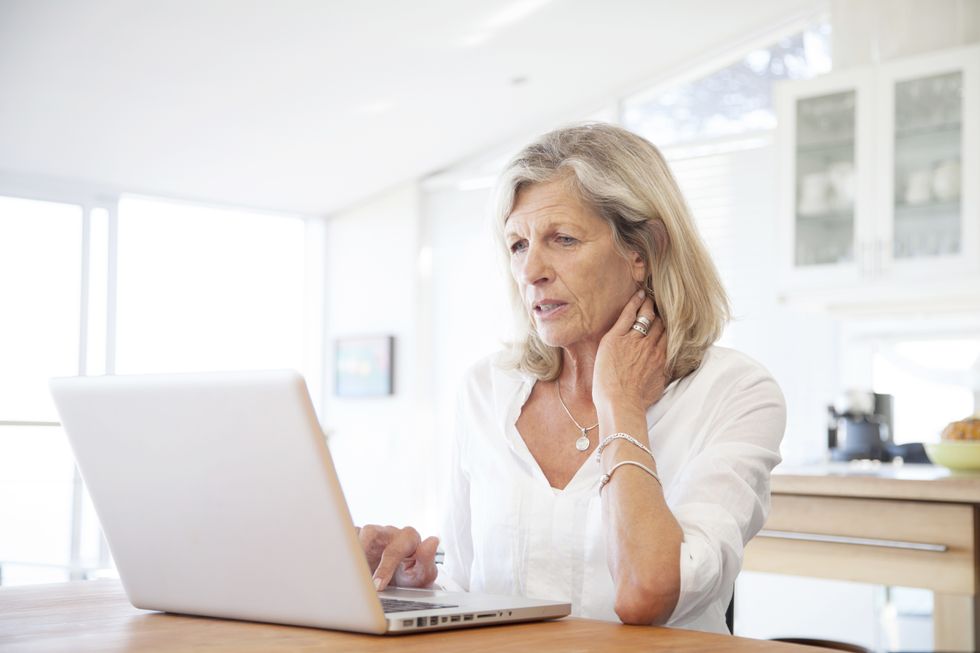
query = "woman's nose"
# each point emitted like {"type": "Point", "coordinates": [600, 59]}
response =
{"type": "Point", "coordinates": [535, 267]}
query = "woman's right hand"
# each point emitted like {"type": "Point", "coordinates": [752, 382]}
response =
{"type": "Point", "coordinates": [629, 371]}
{"type": "Point", "coordinates": [399, 555]}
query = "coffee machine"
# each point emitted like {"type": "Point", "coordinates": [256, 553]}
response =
{"type": "Point", "coordinates": [860, 426]}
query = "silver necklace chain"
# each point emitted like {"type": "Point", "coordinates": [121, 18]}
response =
{"type": "Point", "coordinates": [582, 443]}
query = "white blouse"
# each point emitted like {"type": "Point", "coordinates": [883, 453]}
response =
{"type": "Point", "coordinates": [715, 435]}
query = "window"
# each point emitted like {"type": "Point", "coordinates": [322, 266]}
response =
{"type": "Point", "coordinates": [40, 286]}
{"type": "Point", "coordinates": [138, 285]}
{"type": "Point", "coordinates": [933, 382]}
{"type": "Point", "coordinates": [733, 100]}
{"type": "Point", "coordinates": [40, 299]}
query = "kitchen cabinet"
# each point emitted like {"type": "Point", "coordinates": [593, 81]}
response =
{"type": "Point", "coordinates": [880, 177]}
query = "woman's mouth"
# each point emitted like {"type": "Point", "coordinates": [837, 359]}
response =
{"type": "Point", "coordinates": [548, 309]}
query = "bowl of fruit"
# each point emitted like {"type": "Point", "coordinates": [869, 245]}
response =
{"type": "Point", "coordinates": [959, 447]}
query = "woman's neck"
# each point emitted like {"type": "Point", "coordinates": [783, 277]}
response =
{"type": "Point", "coordinates": [577, 366]}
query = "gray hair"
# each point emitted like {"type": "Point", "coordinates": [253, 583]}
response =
{"type": "Point", "coordinates": [626, 181]}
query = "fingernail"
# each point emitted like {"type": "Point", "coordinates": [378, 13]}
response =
{"type": "Point", "coordinates": [640, 293]}
{"type": "Point", "coordinates": [377, 583]}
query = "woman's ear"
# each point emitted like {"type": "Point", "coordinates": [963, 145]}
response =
{"type": "Point", "coordinates": [638, 268]}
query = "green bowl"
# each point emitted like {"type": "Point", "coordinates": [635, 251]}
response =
{"type": "Point", "coordinates": [964, 456]}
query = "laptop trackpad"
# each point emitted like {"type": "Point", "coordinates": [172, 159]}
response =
{"type": "Point", "coordinates": [411, 593]}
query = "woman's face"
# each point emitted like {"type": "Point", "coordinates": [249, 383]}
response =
{"type": "Point", "coordinates": [573, 280]}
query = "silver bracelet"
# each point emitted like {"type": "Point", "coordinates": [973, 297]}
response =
{"type": "Point", "coordinates": [605, 478]}
{"type": "Point", "coordinates": [619, 436]}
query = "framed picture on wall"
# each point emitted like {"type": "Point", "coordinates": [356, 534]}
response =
{"type": "Point", "coordinates": [364, 366]}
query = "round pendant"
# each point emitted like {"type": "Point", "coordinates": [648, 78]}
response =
{"type": "Point", "coordinates": [582, 444]}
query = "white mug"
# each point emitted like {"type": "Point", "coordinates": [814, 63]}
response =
{"type": "Point", "coordinates": [813, 193]}
{"type": "Point", "coordinates": [918, 188]}
{"type": "Point", "coordinates": [946, 180]}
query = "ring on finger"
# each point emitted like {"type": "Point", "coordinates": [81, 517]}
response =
{"type": "Point", "coordinates": [638, 326]}
{"type": "Point", "coordinates": [644, 320]}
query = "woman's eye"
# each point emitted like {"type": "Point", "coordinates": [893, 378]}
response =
{"type": "Point", "coordinates": [565, 240]}
{"type": "Point", "coordinates": [519, 246]}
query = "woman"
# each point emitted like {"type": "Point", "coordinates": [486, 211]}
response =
{"type": "Point", "coordinates": [615, 458]}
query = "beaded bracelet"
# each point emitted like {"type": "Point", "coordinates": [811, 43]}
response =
{"type": "Point", "coordinates": [605, 478]}
{"type": "Point", "coordinates": [619, 436]}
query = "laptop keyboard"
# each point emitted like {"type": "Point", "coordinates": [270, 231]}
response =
{"type": "Point", "coordinates": [399, 605]}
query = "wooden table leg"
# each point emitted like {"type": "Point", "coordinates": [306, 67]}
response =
{"type": "Point", "coordinates": [955, 618]}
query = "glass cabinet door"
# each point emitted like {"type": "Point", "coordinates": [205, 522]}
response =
{"type": "Point", "coordinates": [825, 185]}
{"type": "Point", "coordinates": [928, 143]}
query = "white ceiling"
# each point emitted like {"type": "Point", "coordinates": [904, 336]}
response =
{"type": "Point", "coordinates": [312, 105]}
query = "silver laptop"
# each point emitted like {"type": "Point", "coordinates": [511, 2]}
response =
{"type": "Point", "coordinates": [218, 497]}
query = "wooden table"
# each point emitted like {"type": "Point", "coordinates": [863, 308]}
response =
{"type": "Point", "coordinates": [95, 616]}
{"type": "Point", "coordinates": [898, 525]}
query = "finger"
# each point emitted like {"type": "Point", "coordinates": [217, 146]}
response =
{"type": "Point", "coordinates": [374, 539]}
{"type": "Point", "coordinates": [419, 570]}
{"type": "Point", "coordinates": [646, 310]}
{"type": "Point", "coordinates": [404, 546]}
{"type": "Point", "coordinates": [628, 316]}
{"type": "Point", "coordinates": [657, 330]}
{"type": "Point", "coordinates": [427, 550]}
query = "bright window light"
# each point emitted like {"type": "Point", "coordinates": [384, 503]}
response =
{"type": "Point", "coordinates": [734, 100]}
{"type": "Point", "coordinates": [203, 289]}
{"type": "Point", "coordinates": [36, 472]}
{"type": "Point", "coordinates": [931, 381]}
{"type": "Point", "coordinates": [40, 289]}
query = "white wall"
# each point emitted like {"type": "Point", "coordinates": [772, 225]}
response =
{"type": "Point", "coordinates": [382, 446]}
{"type": "Point", "coordinates": [873, 31]}
{"type": "Point", "coordinates": [469, 313]}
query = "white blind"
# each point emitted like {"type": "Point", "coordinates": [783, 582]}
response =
{"type": "Point", "coordinates": [729, 186]}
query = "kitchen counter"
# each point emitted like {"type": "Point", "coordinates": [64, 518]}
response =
{"type": "Point", "coordinates": [878, 480]}
{"type": "Point", "coordinates": [904, 525]}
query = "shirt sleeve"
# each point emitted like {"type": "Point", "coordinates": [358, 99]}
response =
{"type": "Point", "coordinates": [457, 538]}
{"type": "Point", "coordinates": [721, 496]}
